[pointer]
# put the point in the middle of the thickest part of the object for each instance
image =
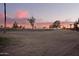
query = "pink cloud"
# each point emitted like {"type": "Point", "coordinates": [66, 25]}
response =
{"type": "Point", "coordinates": [21, 14]}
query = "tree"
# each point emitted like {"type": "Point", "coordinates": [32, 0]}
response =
{"type": "Point", "coordinates": [15, 25]}
{"type": "Point", "coordinates": [76, 25]}
{"type": "Point", "coordinates": [50, 26]}
{"type": "Point", "coordinates": [1, 26]}
{"type": "Point", "coordinates": [32, 21]}
{"type": "Point", "coordinates": [78, 21]}
{"type": "Point", "coordinates": [70, 26]}
{"type": "Point", "coordinates": [56, 24]}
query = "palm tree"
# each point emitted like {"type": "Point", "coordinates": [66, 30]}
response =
{"type": "Point", "coordinates": [32, 21]}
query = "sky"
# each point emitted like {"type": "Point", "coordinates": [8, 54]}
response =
{"type": "Point", "coordinates": [43, 12]}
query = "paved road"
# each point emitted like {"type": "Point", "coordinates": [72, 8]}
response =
{"type": "Point", "coordinates": [42, 43]}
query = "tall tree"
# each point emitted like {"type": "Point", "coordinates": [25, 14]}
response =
{"type": "Point", "coordinates": [31, 21]}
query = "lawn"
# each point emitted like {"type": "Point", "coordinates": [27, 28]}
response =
{"type": "Point", "coordinates": [41, 43]}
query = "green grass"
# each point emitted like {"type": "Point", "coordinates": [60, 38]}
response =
{"type": "Point", "coordinates": [4, 41]}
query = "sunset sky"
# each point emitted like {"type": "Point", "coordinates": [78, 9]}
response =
{"type": "Point", "coordinates": [43, 12]}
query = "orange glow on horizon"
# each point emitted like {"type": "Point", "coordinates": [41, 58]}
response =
{"type": "Point", "coordinates": [1, 15]}
{"type": "Point", "coordinates": [42, 25]}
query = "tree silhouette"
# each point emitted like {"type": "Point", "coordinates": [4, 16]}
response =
{"type": "Point", "coordinates": [56, 24]}
{"type": "Point", "coordinates": [70, 26]}
{"type": "Point", "coordinates": [15, 25]}
{"type": "Point", "coordinates": [1, 26]}
{"type": "Point", "coordinates": [50, 26]}
{"type": "Point", "coordinates": [78, 20]}
{"type": "Point", "coordinates": [31, 21]}
{"type": "Point", "coordinates": [76, 25]}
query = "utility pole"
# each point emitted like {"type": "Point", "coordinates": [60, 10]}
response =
{"type": "Point", "coordinates": [4, 17]}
